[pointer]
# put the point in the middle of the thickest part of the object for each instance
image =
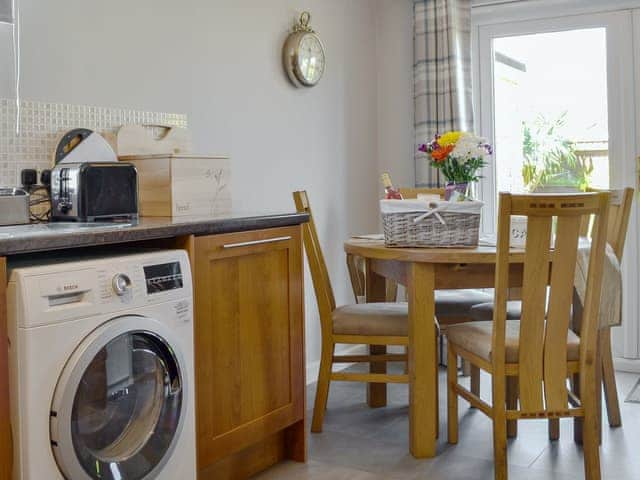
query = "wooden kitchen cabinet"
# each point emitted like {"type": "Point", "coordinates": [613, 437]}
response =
{"type": "Point", "coordinates": [249, 351]}
{"type": "Point", "coordinates": [6, 444]}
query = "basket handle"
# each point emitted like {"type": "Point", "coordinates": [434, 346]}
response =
{"type": "Point", "coordinates": [433, 211]}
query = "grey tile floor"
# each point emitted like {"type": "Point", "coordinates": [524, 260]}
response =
{"type": "Point", "coordinates": [359, 443]}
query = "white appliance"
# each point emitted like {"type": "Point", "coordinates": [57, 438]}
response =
{"type": "Point", "coordinates": [101, 363]}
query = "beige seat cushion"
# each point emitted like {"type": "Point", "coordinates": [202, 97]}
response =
{"type": "Point", "coordinates": [388, 319]}
{"type": "Point", "coordinates": [475, 337]}
{"type": "Point", "coordinates": [458, 303]}
{"type": "Point", "coordinates": [484, 311]}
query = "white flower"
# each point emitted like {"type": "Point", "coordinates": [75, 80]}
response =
{"type": "Point", "coordinates": [469, 146]}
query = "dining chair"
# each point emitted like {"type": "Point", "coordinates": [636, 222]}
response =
{"type": "Point", "coordinates": [373, 324]}
{"type": "Point", "coordinates": [619, 213]}
{"type": "Point", "coordinates": [537, 353]}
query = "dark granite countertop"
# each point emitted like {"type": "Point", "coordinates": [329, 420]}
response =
{"type": "Point", "coordinates": [41, 237]}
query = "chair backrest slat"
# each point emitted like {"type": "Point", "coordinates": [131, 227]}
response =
{"type": "Point", "coordinates": [536, 267]}
{"type": "Point", "coordinates": [585, 225]}
{"type": "Point", "coordinates": [559, 312]}
{"type": "Point", "coordinates": [591, 307]}
{"type": "Point", "coordinates": [543, 341]}
{"type": "Point", "coordinates": [317, 266]}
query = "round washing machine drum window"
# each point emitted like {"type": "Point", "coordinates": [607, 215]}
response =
{"type": "Point", "coordinates": [118, 406]}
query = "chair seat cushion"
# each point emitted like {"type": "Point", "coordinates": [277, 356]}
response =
{"type": "Point", "coordinates": [387, 319]}
{"type": "Point", "coordinates": [475, 337]}
{"type": "Point", "coordinates": [458, 303]}
{"type": "Point", "coordinates": [484, 311]}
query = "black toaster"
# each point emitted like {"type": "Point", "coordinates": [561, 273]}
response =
{"type": "Point", "coordinates": [86, 192]}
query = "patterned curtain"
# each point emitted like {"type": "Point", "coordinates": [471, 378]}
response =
{"type": "Point", "coordinates": [442, 74]}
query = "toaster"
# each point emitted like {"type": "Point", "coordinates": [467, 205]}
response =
{"type": "Point", "coordinates": [14, 206]}
{"type": "Point", "coordinates": [86, 192]}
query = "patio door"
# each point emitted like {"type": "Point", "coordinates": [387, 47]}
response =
{"type": "Point", "coordinates": [557, 97]}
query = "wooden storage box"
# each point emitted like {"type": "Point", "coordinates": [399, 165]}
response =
{"type": "Point", "coordinates": [176, 185]}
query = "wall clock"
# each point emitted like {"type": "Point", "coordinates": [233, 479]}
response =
{"type": "Point", "coordinates": [303, 54]}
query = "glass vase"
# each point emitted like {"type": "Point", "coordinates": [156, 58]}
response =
{"type": "Point", "coordinates": [455, 187]}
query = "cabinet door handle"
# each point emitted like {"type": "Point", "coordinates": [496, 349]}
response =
{"type": "Point", "coordinates": [256, 242]}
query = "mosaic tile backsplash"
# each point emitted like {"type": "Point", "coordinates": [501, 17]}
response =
{"type": "Point", "coordinates": [42, 124]}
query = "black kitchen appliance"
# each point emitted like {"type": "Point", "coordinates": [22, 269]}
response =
{"type": "Point", "coordinates": [86, 192]}
{"type": "Point", "coordinates": [88, 182]}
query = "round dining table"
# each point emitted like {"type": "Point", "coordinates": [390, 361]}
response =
{"type": "Point", "coordinates": [422, 271]}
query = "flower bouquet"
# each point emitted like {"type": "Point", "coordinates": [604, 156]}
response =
{"type": "Point", "coordinates": [459, 156]}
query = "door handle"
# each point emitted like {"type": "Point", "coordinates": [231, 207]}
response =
{"type": "Point", "coordinates": [256, 242]}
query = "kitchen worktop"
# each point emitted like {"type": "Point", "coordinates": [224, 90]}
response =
{"type": "Point", "coordinates": [40, 237]}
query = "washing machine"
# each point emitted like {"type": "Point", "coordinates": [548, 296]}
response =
{"type": "Point", "coordinates": [101, 362]}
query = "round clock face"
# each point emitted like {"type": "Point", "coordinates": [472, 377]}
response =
{"type": "Point", "coordinates": [311, 59]}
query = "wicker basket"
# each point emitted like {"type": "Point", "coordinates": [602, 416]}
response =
{"type": "Point", "coordinates": [411, 223]}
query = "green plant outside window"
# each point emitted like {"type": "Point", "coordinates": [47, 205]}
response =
{"type": "Point", "coordinates": [550, 159]}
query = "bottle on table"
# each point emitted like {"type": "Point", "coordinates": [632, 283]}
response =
{"type": "Point", "coordinates": [390, 193]}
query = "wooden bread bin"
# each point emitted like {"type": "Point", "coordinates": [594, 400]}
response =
{"type": "Point", "coordinates": [175, 185]}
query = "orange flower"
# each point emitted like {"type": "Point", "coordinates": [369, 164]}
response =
{"type": "Point", "coordinates": [442, 153]}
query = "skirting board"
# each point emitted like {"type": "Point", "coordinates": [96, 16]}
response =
{"type": "Point", "coordinates": [627, 365]}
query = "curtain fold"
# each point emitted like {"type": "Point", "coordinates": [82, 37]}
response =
{"type": "Point", "coordinates": [442, 75]}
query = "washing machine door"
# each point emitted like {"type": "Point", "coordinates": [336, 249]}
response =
{"type": "Point", "coordinates": [119, 404]}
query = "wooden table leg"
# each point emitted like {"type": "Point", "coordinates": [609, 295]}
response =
{"type": "Point", "coordinates": [423, 369]}
{"type": "Point", "coordinates": [376, 291]}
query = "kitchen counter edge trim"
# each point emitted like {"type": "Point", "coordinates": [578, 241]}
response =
{"type": "Point", "coordinates": [88, 238]}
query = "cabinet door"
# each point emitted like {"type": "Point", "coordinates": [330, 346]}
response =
{"type": "Point", "coordinates": [249, 338]}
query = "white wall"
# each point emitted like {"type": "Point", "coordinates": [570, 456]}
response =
{"type": "Point", "coordinates": [219, 62]}
{"type": "Point", "coordinates": [395, 90]}
{"type": "Point", "coordinates": [6, 60]}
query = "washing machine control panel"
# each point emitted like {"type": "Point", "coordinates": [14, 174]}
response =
{"type": "Point", "coordinates": [163, 277]}
{"type": "Point", "coordinates": [79, 288]}
{"type": "Point", "coordinates": [127, 284]}
{"type": "Point", "coordinates": [142, 282]}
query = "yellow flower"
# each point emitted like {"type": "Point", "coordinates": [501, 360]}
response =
{"type": "Point", "coordinates": [449, 138]}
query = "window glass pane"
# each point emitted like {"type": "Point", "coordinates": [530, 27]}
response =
{"type": "Point", "coordinates": [551, 122]}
